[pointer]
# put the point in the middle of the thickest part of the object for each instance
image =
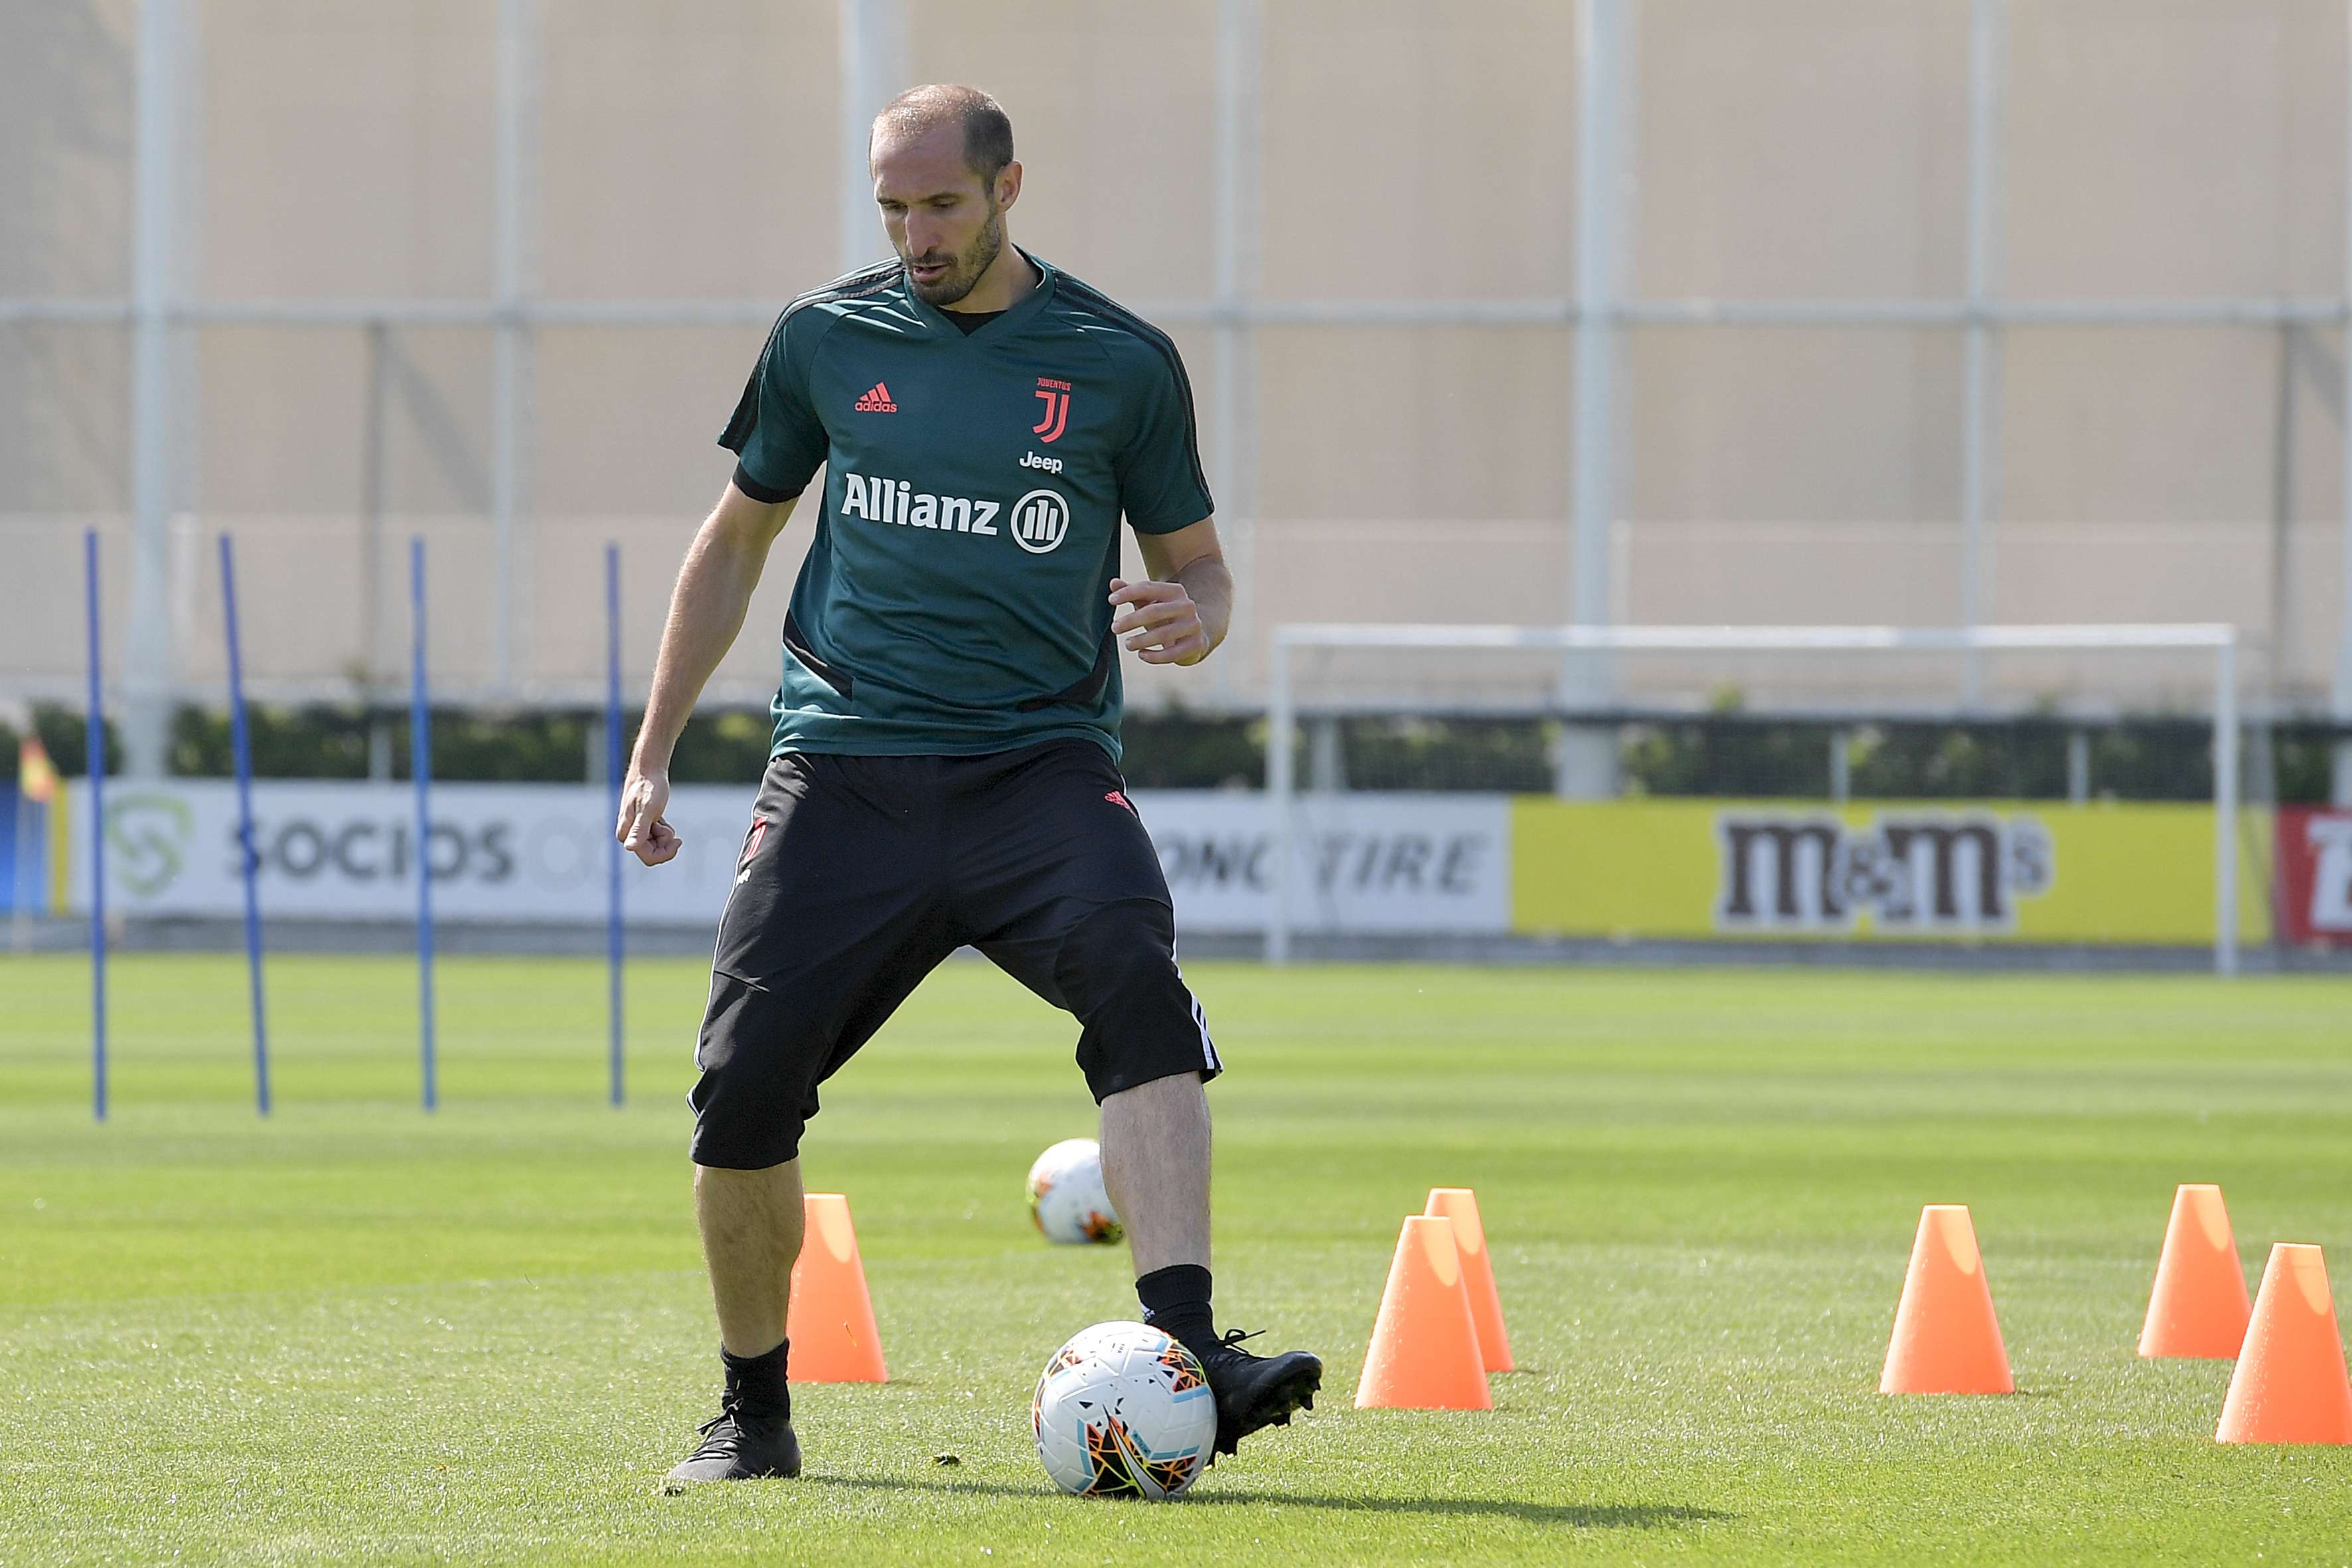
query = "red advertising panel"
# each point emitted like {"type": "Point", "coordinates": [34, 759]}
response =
{"type": "Point", "coordinates": [2315, 875]}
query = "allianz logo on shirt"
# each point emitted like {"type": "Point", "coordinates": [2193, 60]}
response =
{"type": "Point", "coordinates": [1040, 520]}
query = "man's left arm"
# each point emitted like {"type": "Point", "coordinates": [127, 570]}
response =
{"type": "Point", "coordinates": [1182, 612]}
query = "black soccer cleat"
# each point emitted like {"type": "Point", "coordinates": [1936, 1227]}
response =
{"type": "Point", "coordinates": [738, 1446]}
{"type": "Point", "coordinates": [1257, 1391]}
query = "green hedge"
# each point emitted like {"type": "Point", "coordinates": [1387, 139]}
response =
{"type": "Point", "coordinates": [1719, 754]}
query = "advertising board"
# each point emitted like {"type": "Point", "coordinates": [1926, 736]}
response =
{"type": "Point", "coordinates": [334, 850]}
{"type": "Point", "coordinates": [2314, 862]}
{"type": "Point", "coordinates": [536, 853]}
{"type": "Point", "coordinates": [1363, 863]}
{"type": "Point", "coordinates": [2004, 871]}
{"type": "Point", "coordinates": [1359, 863]}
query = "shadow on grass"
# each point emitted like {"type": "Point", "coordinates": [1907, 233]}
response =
{"type": "Point", "coordinates": [1572, 1516]}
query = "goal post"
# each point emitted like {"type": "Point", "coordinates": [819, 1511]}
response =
{"type": "Point", "coordinates": [1289, 638]}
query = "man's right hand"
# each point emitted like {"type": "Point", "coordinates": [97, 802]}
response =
{"type": "Point", "coordinates": [641, 830]}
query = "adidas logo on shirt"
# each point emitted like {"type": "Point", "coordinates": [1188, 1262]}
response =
{"type": "Point", "coordinates": [877, 401]}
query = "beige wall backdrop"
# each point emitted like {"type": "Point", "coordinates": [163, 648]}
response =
{"type": "Point", "coordinates": [342, 150]}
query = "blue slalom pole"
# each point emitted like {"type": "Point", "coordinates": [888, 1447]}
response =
{"type": "Point", "coordinates": [420, 764]}
{"type": "Point", "coordinates": [241, 740]}
{"type": "Point", "coordinates": [95, 755]}
{"type": "Point", "coordinates": [613, 941]}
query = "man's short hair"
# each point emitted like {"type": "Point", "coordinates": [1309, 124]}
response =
{"type": "Point", "coordinates": [987, 129]}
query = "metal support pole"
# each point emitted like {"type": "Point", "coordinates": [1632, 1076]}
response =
{"type": "Point", "coordinates": [248, 855]}
{"type": "Point", "coordinates": [2225, 808]}
{"type": "Point", "coordinates": [1979, 348]}
{"type": "Point", "coordinates": [1280, 793]}
{"type": "Point", "coordinates": [420, 764]}
{"type": "Point", "coordinates": [94, 761]}
{"type": "Point", "coordinates": [147, 664]}
{"type": "Point", "coordinates": [511, 344]}
{"type": "Point", "coordinates": [2284, 507]}
{"type": "Point", "coordinates": [511, 367]}
{"type": "Point", "coordinates": [2340, 687]}
{"type": "Point", "coordinates": [613, 942]}
{"type": "Point", "coordinates": [373, 664]}
{"type": "Point", "coordinates": [1600, 177]}
{"type": "Point", "coordinates": [1326, 757]}
{"type": "Point", "coordinates": [1587, 754]}
{"type": "Point", "coordinates": [873, 69]}
{"type": "Point", "coordinates": [1236, 268]}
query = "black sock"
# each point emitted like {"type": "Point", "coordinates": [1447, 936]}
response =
{"type": "Point", "coordinates": [1176, 1303]}
{"type": "Point", "coordinates": [758, 1380]}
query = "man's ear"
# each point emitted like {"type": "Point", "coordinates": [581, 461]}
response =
{"type": "Point", "coordinates": [1008, 185]}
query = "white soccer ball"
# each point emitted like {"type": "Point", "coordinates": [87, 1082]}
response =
{"type": "Point", "coordinates": [1124, 1411]}
{"type": "Point", "coordinates": [1066, 1197]}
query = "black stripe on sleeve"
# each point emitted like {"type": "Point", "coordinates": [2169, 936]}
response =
{"type": "Point", "coordinates": [759, 493]}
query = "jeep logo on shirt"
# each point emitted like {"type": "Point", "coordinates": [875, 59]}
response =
{"type": "Point", "coordinates": [1041, 520]}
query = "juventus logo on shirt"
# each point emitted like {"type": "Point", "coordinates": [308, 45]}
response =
{"type": "Point", "coordinates": [1056, 397]}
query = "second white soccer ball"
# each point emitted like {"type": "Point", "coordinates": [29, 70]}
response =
{"type": "Point", "coordinates": [1066, 1197]}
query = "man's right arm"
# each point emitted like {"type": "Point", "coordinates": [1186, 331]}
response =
{"type": "Point", "coordinates": [706, 610]}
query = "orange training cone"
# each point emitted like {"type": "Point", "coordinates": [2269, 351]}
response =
{"type": "Point", "coordinates": [2290, 1385]}
{"type": "Point", "coordinates": [2199, 1306]}
{"type": "Point", "coordinates": [1947, 1340]}
{"type": "Point", "coordinates": [1424, 1352]}
{"type": "Point", "coordinates": [831, 1319]}
{"type": "Point", "coordinates": [1460, 1205]}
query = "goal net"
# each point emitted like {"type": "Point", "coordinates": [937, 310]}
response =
{"type": "Point", "coordinates": [1878, 781]}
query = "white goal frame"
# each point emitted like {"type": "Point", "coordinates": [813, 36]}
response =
{"type": "Point", "coordinates": [2222, 639]}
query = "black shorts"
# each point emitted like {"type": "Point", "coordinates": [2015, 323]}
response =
{"type": "Point", "coordinates": [861, 874]}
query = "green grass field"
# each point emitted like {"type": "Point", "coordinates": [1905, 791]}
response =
{"type": "Point", "coordinates": [359, 1333]}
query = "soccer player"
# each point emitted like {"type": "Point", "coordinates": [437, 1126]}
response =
{"type": "Point", "coordinates": [944, 770]}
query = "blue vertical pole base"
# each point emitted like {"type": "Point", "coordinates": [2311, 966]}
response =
{"type": "Point", "coordinates": [420, 759]}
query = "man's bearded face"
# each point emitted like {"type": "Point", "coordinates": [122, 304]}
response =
{"type": "Point", "coordinates": [941, 277]}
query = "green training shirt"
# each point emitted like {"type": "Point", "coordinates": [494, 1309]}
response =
{"type": "Point", "coordinates": [954, 600]}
